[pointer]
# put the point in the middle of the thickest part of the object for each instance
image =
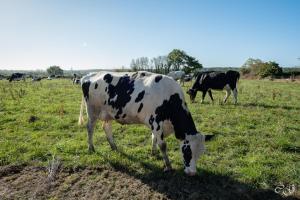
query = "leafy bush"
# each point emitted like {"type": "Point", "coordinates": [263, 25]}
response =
{"type": "Point", "coordinates": [257, 67]}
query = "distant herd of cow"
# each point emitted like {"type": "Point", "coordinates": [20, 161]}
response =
{"type": "Point", "coordinates": [154, 100]}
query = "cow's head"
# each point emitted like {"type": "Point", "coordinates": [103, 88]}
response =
{"type": "Point", "coordinates": [192, 147]}
{"type": "Point", "coordinates": [192, 93]}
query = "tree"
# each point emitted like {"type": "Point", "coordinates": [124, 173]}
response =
{"type": "Point", "coordinates": [252, 66]}
{"type": "Point", "coordinates": [55, 70]}
{"type": "Point", "coordinates": [133, 65]}
{"type": "Point", "coordinates": [177, 59]}
{"type": "Point", "coordinates": [270, 69]}
{"type": "Point", "coordinates": [141, 63]}
{"type": "Point", "coordinates": [192, 65]}
{"type": "Point", "coordinates": [182, 61]}
{"type": "Point", "coordinates": [160, 64]}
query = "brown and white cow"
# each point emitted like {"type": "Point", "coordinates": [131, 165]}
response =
{"type": "Point", "coordinates": [142, 98]}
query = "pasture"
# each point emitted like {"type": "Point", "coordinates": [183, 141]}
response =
{"type": "Point", "coordinates": [254, 152]}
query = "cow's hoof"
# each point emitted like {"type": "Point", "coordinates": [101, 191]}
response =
{"type": "Point", "coordinates": [154, 152]}
{"type": "Point", "coordinates": [114, 147]}
{"type": "Point", "coordinates": [191, 174]}
{"type": "Point", "coordinates": [91, 149]}
{"type": "Point", "coordinates": [168, 169]}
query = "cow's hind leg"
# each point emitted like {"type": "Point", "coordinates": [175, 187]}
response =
{"type": "Point", "coordinates": [163, 148]}
{"type": "Point", "coordinates": [228, 92]}
{"type": "Point", "coordinates": [154, 144]}
{"type": "Point", "coordinates": [108, 131]}
{"type": "Point", "coordinates": [90, 128]}
{"type": "Point", "coordinates": [235, 95]}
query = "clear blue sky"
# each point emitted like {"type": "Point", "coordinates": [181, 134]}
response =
{"type": "Point", "coordinates": [87, 34]}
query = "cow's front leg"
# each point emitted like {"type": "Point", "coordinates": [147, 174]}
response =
{"type": "Point", "coordinates": [210, 95]}
{"type": "Point", "coordinates": [154, 144]}
{"type": "Point", "coordinates": [108, 131]}
{"type": "Point", "coordinates": [90, 128]}
{"type": "Point", "coordinates": [203, 95]}
{"type": "Point", "coordinates": [163, 148]}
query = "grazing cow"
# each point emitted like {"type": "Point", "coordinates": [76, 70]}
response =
{"type": "Point", "coordinates": [154, 100]}
{"type": "Point", "coordinates": [211, 80]}
{"type": "Point", "coordinates": [35, 78]}
{"type": "Point", "coordinates": [76, 79]}
{"type": "Point", "coordinates": [17, 77]}
{"type": "Point", "coordinates": [177, 75]}
{"type": "Point", "coordinates": [2, 77]}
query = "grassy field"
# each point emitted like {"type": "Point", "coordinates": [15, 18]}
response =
{"type": "Point", "coordinates": [255, 148]}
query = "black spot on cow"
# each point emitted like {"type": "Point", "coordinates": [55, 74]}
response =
{"type": "Point", "coordinates": [140, 96]}
{"type": "Point", "coordinates": [140, 107]}
{"type": "Point", "coordinates": [96, 85]}
{"type": "Point", "coordinates": [180, 118]}
{"type": "Point", "coordinates": [158, 78]}
{"type": "Point", "coordinates": [108, 78]}
{"type": "Point", "coordinates": [158, 127]}
{"type": "Point", "coordinates": [85, 89]}
{"type": "Point", "coordinates": [185, 142]}
{"type": "Point", "coordinates": [124, 116]}
{"type": "Point", "coordinates": [105, 89]}
{"type": "Point", "coordinates": [105, 102]}
{"type": "Point", "coordinates": [123, 90]}
{"type": "Point", "coordinates": [151, 120]}
{"type": "Point", "coordinates": [143, 74]}
{"type": "Point", "coordinates": [187, 154]}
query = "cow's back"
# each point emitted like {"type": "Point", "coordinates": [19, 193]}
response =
{"type": "Point", "coordinates": [140, 97]}
{"type": "Point", "coordinates": [213, 80]}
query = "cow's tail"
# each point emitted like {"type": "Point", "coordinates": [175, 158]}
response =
{"type": "Point", "coordinates": [80, 119]}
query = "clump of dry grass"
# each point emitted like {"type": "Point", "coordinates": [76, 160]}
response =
{"type": "Point", "coordinates": [53, 168]}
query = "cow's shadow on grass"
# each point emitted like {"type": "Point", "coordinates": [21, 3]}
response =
{"type": "Point", "coordinates": [205, 185]}
{"type": "Point", "coordinates": [267, 106]}
{"type": "Point", "coordinates": [250, 105]}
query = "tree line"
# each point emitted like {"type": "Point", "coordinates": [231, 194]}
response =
{"type": "Point", "coordinates": [176, 60]}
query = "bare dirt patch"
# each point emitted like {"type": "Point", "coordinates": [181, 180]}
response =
{"type": "Point", "coordinates": [27, 182]}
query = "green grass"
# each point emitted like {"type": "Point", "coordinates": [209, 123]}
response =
{"type": "Point", "coordinates": [256, 143]}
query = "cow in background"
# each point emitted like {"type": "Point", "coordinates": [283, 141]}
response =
{"type": "Point", "coordinates": [177, 75]}
{"type": "Point", "coordinates": [154, 100]}
{"type": "Point", "coordinates": [211, 80]}
{"type": "Point", "coordinates": [2, 77]}
{"type": "Point", "coordinates": [17, 77]}
{"type": "Point", "coordinates": [76, 79]}
{"type": "Point", "coordinates": [35, 78]}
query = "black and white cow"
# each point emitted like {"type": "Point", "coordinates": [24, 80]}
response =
{"type": "Point", "coordinates": [142, 98]}
{"type": "Point", "coordinates": [17, 77]}
{"type": "Point", "coordinates": [76, 79]}
{"type": "Point", "coordinates": [211, 80]}
{"type": "Point", "coordinates": [2, 77]}
{"type": "Point", "coordinates": [177, 75]}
